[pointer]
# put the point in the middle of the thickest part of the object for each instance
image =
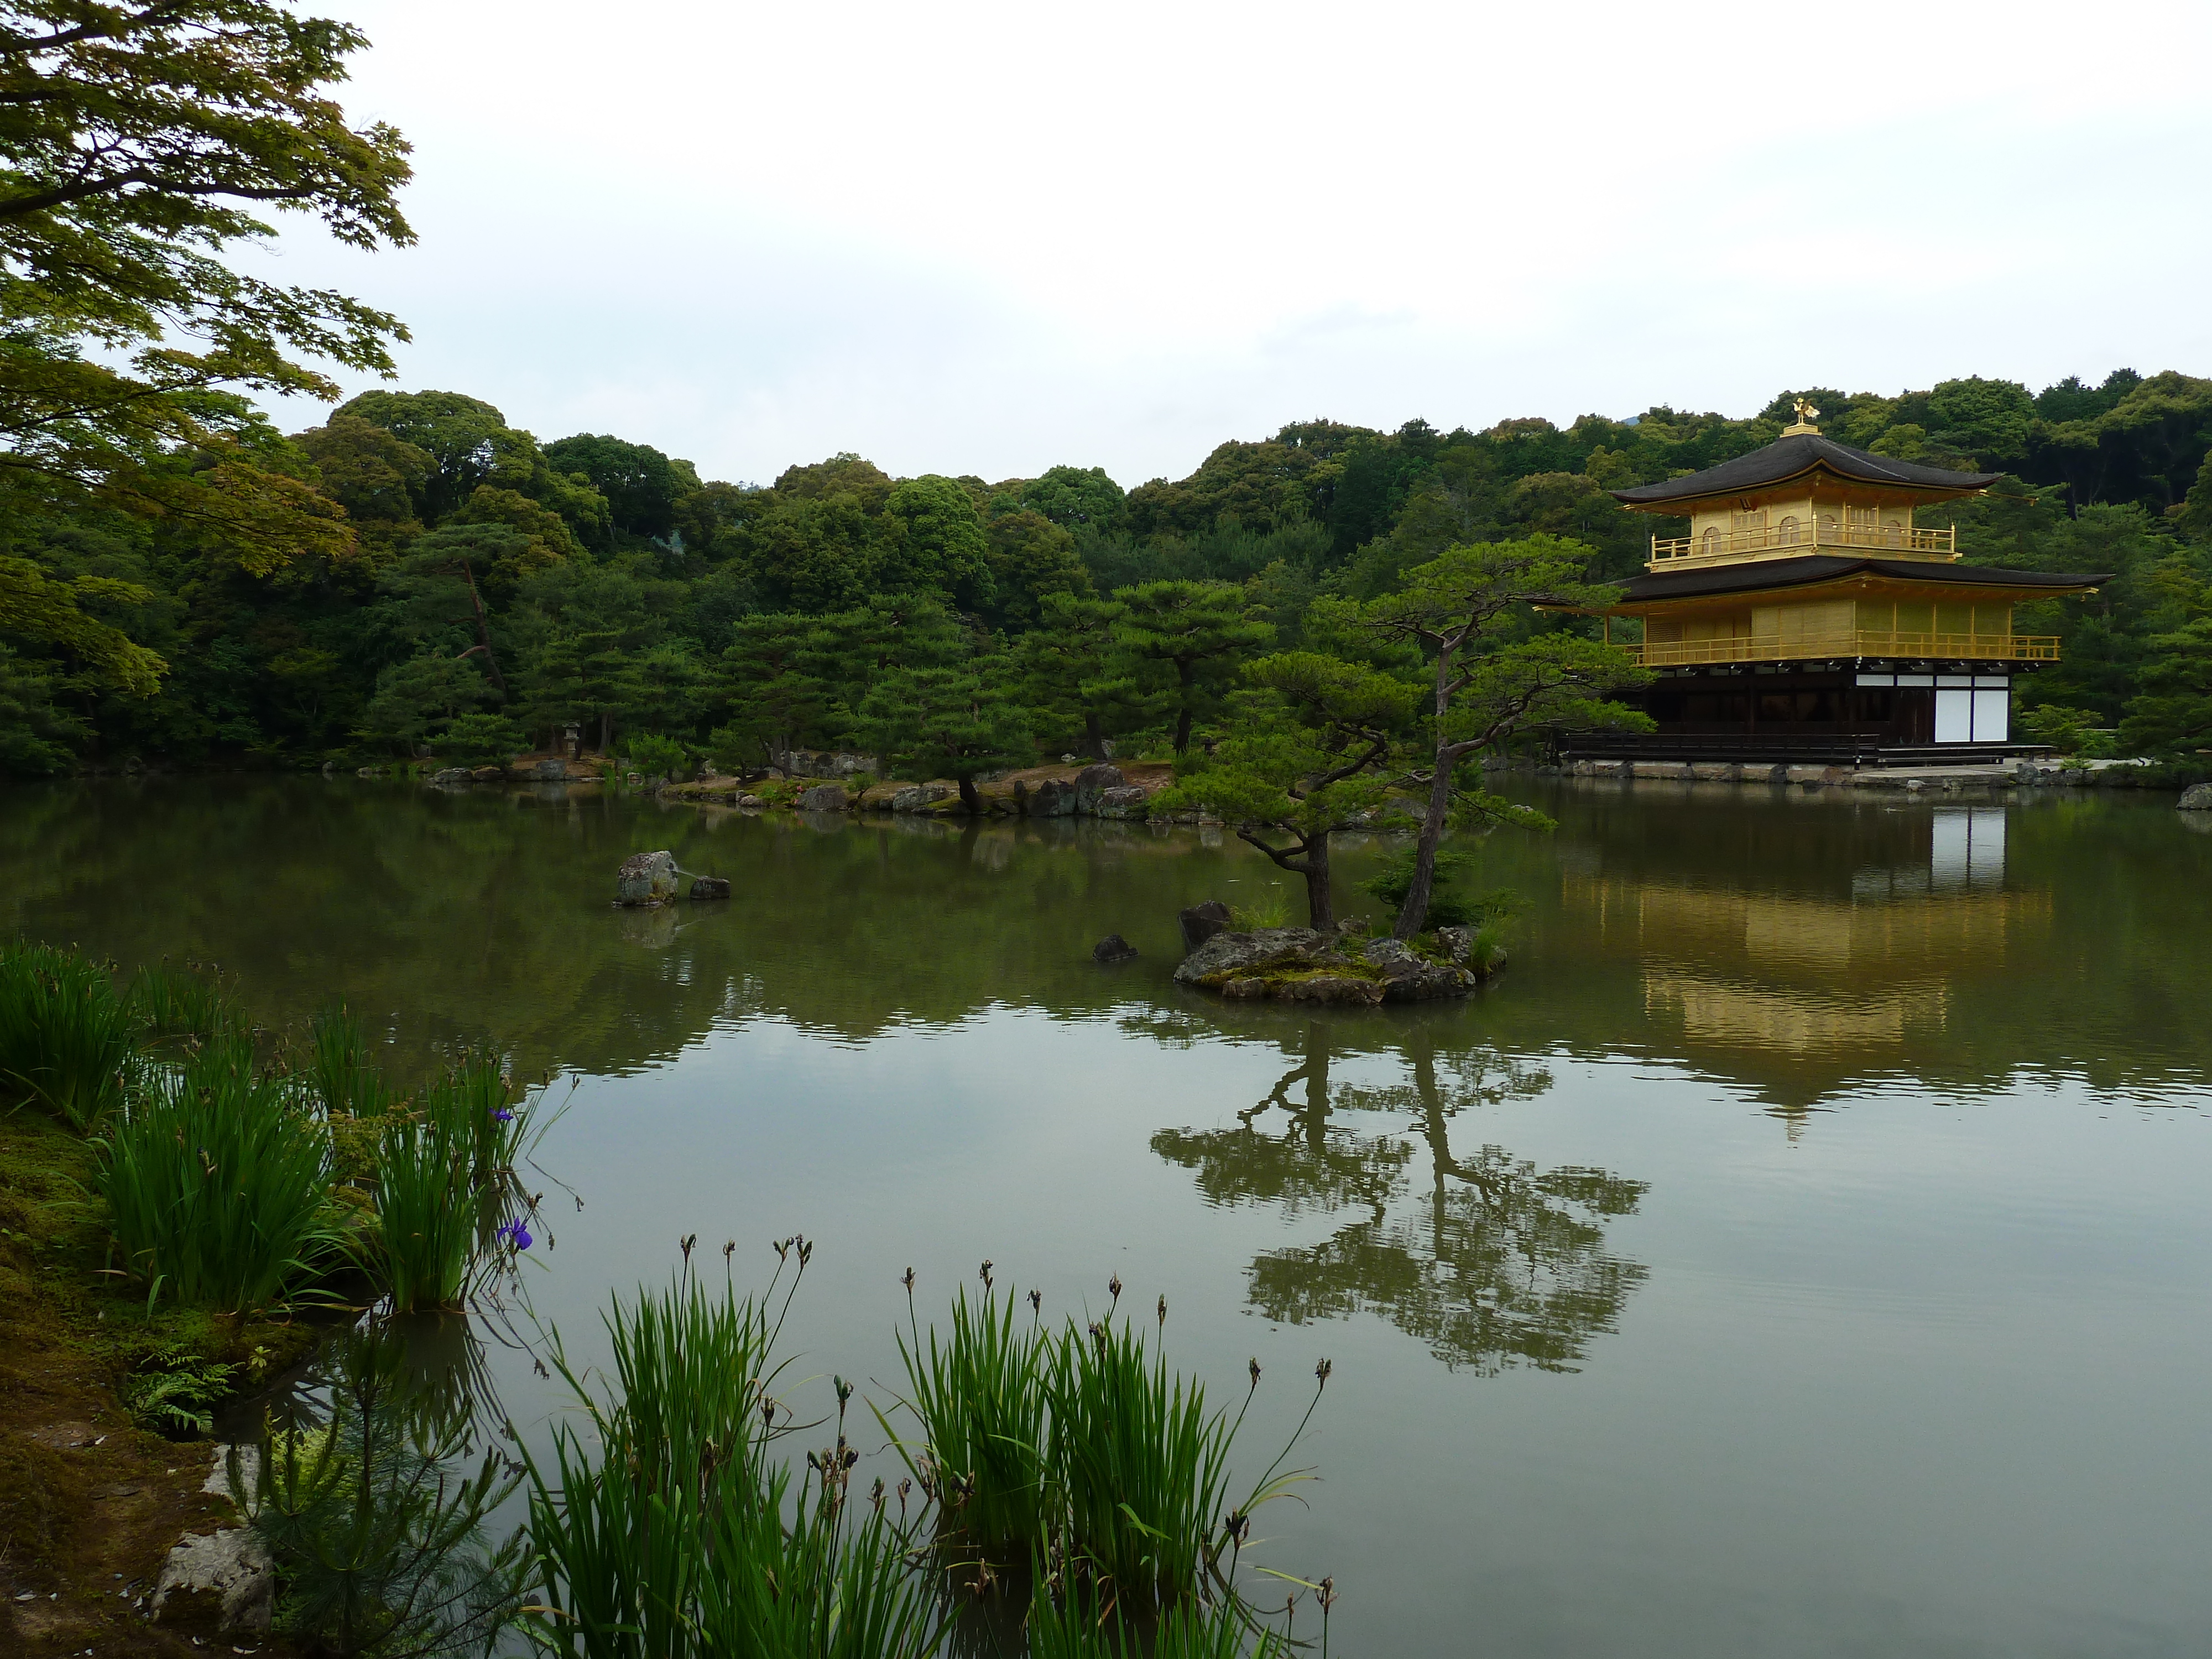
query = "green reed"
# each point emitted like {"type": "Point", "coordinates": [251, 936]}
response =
{"type": "Point", "coordinates": [338, 1070]}
{"type": "Point", "coordinates": [1077, 1625]}
{"type": "Point", "coordinates": [1081, 1450]}
{"type": "Point", "coordinates": [217, 1182]}
{"type": "Point", "coordinates": [980, 1396]}
{"type": "Point", "coordinates": [1075, 1463]}
{"type": "Point", "coordinates": [1142, 1467]}
{"type": "Point", "coordinates": [167, 1003]}
{"type": "Point", "coordinates": [427, 1230]}
{"type": "Point", "coordinates": [66, 1040]}
{"type": "Point", "coordinates": [446, 1192]}
{"type": "Point", "coordinates": [642, 1514]}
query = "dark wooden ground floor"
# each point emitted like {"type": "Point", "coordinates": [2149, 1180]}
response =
{"type": "Point", "coordinates": [1858, 712]}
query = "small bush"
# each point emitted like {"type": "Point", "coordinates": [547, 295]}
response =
{"type": "Point", "coordinates": [1448, 907]}
{"type": "Point", "coordinates": [2069, 730]}
{"type": "Point", "coordinates": [377, 1522]}
{"type": "Point", "coordinates": [655, 756]}
{"type": "Point", "coordinates": [480, 738]}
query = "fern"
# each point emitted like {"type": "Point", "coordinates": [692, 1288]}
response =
{"type": "Point", "coordinates": [180, 1396]}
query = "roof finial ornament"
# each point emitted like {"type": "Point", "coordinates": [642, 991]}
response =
{"type": "Point", "coordinates": [1806, 416]}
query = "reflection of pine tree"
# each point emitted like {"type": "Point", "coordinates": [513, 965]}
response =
{"type": "Point", "coordinates": [1496, 1264]}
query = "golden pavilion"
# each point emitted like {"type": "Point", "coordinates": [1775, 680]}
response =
{"type": "Point", "coordinates": [1810, 615]}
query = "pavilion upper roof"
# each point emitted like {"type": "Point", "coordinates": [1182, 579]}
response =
{"type": "Point", "coordinates": [1797, 455]}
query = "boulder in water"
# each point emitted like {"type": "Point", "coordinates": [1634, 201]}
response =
{"type": "Point", "coordinates": [1409, 976]}
{"type": "Point", "coordinates": [553, 770]}
{"type": "Point", "coordinates": [1113, 948]}
{"type": "Point", "coordinates": [825, 798]}
{"type": "Point", "coordinates": [1125, 801]}
{"type": "Point", "coordinates": [710, 887]}
{"type": "Point", "coordinates": [2197, 797]}
{"type": "Point", "coordinates": [645, 878]}
{"type": "Point", "coordinates": [1202, 922]}
{"type": "Point", "coordinates": [1052, 799]}
{"type": "Point", "coordinates": [1092, 782]}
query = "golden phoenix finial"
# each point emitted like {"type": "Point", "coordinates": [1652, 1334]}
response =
{"type": "Point", "coordinates": [1806, 413]}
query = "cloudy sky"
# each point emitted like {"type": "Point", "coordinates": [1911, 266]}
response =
{"type": "Point", "coordinates": [988, 239]}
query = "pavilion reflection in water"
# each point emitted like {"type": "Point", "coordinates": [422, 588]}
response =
{"type": "Point", "coordinates": [1798, 992]}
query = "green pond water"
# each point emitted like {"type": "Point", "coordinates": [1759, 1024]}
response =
{"type": "Point", "coordinates": [1804, 1249]}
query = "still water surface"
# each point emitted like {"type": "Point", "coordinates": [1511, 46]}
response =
{"type": "Point", "coordinates": [1801, 1250]}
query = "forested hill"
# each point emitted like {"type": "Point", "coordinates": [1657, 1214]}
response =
{"type": "Point", "coordinates": [498, 587]}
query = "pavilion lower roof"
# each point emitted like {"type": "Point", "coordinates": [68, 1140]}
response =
{"type": "Point", "coordinates": [1767, 574]}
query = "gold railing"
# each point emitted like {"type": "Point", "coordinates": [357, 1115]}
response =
{"type": "Point", "coordinates": [1864, 642]}
{"type": "Point", "coordinates": [1781, 542]}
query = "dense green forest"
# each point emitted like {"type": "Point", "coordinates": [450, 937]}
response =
{"type": "Point", "coordinates": [494, 588]}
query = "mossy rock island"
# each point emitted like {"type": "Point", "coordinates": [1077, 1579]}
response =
{"type": "Point", "coordinates": [1299, 964]}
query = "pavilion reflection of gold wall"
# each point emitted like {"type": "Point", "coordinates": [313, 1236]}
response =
{"type": "Point", "coordinates": [1793, 1022]}
{"type": "Point", "coordinates": [1801, 974]}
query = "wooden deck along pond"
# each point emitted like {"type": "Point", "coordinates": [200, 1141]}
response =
{"type": "Point", "coordinates": [1800, 1248]}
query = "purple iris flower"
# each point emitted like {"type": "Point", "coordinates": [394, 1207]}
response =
{"type": "Point", "coordinates": [502, 1115]}
{"type": "Point", "coordinates": [516, 1234]}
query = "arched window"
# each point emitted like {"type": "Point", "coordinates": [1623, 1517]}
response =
{"type": "Point", "coordinates": [1711, 544]}
{"type": "Point", "coordinates": [1789, 532]}
{"type": "Point", "coordinates": [1893, 531]}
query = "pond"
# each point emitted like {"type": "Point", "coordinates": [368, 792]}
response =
{"type": "Point", "coordinates": [1800, 1248]}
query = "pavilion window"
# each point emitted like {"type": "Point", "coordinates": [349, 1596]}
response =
{"type": "Point", "coordinates": [1789, 531]}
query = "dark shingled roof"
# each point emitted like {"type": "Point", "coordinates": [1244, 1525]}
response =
{"type": "Point", "coordinates": [1787, 458]}
{"type": "Point", "coordinates": [1827, 567]}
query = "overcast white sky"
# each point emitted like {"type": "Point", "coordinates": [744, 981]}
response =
{"type": "Point", "coordinates": [984, 238]}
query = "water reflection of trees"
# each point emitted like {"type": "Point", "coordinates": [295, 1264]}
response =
{"type": "Point", "coordinates": [1486, 1258]}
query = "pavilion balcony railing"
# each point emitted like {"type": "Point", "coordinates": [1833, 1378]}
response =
{"type": "Point", "coordinates": [1862, 642]}
{"type": "Point", "coordinates": [1789, 541]}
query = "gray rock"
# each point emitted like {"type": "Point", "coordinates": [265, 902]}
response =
{"type": "Point", "coordinates": [1226, 953]}
{"type": "Point", "coordinates": [1113, 948]}
{"type": "Point", "coordinates": [1053, 799]}
{"type": "Point", "coordinates": [751, 802]}
{"type": "Point", "coordinates": [453, 775]}
{"type": "Point", "coordinates": [920, 797]}
{"type": "Point", "coordinates": [550, 771]}
{"type": "Point", "coordinates": [232, 1566]}
{"type": "Point", "coordinates": [1408, 976]}
{"type": "Point", "coordinates": [1092, 782]}
{"type": "Point", "coordinates": [1457, 943]}
{"type": "Point", "coordinates": [833, 763]}
{"type": "Point", "coordinates": [1126, 802]}
{"type": "Point", "coordinates": [825, 798]}
{"type": "Point", "coordinates": [2197, 797]}
{"type": "Point", "coordinates": [710, 887]}
{"type": "Point", "coordinates": [645, 878]}
{"type": "Point", "coordinates": [1202, 922]}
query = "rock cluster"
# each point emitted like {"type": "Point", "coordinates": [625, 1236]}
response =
{"type": "Point", "coordinates": [1298, 964]}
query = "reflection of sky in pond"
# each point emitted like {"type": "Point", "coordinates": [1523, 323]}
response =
{"type": "Point", "coordinates": [1622, 1364]}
